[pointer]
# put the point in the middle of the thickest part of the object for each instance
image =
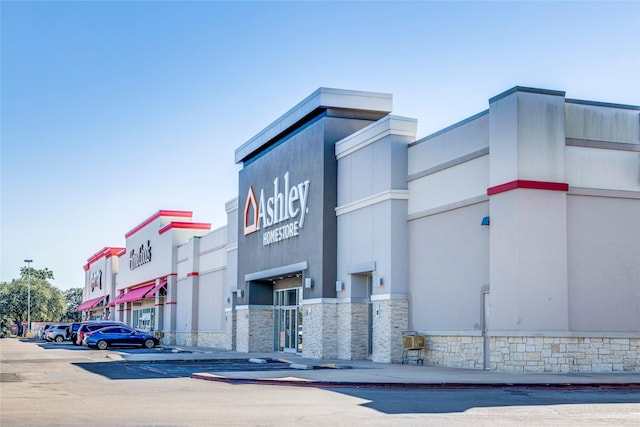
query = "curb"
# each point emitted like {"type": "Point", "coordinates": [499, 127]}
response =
{"type": "Point", "coordinates": [423, 386]}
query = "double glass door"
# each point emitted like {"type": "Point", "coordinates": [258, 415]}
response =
{"type": "Point", "coordinates": [288, 320]}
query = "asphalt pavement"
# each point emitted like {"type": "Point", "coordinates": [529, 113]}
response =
{"type": "Point", "coordinates": [364, 373]}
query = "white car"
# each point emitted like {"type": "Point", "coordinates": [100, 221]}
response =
{"type": "Point", "coordinates": [58, 333]}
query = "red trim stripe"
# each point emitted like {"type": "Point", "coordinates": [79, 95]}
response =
{"type": "Point", "coordinates": [193, 273]}
{"type": "Point", "coordinates": [161, 213]}
{"type": "Point", "coordinates": [170, 302]}
{"type": "Point", "coordinates": [534, 185]}
{"type": "Point", "coordinates": [185, 225]}
{"type": "Point", "coordinates": [106, 252]}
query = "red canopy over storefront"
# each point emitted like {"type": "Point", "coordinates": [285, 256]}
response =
{"type": "Point", "coordinates": [155, 289]}
{"type": "Point", "coordinates": [89, 304]}
{"type": "Point", "coordinates": [134, 294]}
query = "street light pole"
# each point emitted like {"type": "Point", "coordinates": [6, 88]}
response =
{"type": "Point", "coordinates": [29, 261]}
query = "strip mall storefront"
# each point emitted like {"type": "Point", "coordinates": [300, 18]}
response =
{"type": "Point", "coordinates": [509, 239]}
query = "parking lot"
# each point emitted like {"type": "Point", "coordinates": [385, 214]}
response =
{"type": "Point", "coordinates": [76, 386]}
{"type": "Point", "coordinates": [161, 369]}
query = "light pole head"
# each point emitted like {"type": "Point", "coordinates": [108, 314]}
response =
{"type": "Point", "coordinates": [28, 260]}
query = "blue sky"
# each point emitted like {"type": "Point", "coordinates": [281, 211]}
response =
{"type": "Point", "coordinates": [111, 111]}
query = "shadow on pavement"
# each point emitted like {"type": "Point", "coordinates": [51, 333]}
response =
{"type": "Point", "coordinates": [396, 401]}
{"type": "Point", "coordinates": [174, 369]}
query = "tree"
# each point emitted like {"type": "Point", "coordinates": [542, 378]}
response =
{"type": "Point", "coordinates": [43, 274]}
{"type": "Point", "coordinates": [47, 301]}
{"type": "Point", "coordinates": [73, 298]}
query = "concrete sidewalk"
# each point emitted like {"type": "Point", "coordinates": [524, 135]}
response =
{"type": "Point", "coordinates": [363, 373]}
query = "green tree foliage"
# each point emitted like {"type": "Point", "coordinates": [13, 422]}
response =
{"type": "Point", "coordinates": [47, 301]}
{"type": "Point", "coordinates": [73, 298]}
{"type": "Point", "coordinates": [43, 274]}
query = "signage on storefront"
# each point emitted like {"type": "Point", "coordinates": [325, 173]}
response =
{"type": "Point", "coordinates": [141, 257]}
{"type": "Point", "coordinates": [96, 280]}
{"type": "Point", "coordinates": [280, 215]}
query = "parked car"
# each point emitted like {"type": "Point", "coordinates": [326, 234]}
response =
{"type": "Point", "coordinates": [58, 333]}
{"type": "Point", "coordinates": [119, 336]}
{"type": "Point", "coordinates": [73, 332]}
{"type": "Point", "coordinates": [92, 326]}
{"type": "Point", "coordinates": [42, 331]}
{"type": "Point", "coordinates": [46, 329]}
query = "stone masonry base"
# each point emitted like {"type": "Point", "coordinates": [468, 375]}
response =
{"type": "Point", "coordinates": [352, 331]}
{"type": "Point", "coordinates": [230, 330]}
{"type": "Point", "coordinates": [390, 318]}
{"type": "Point", "coordinates": [536, 354]}
{"type": "Point", "coordinates": [574, 354]}
{"type": "Point", "coordinates": [187, 338]}
{"type": "Point", "coordinates": [213, 339]}
{"type": "Point", "coordinates": [169, 338]}
{"type": "Point", "coordinates": [454, 351]}
{"type": "Point", "coordinates": [319, 323]}
{"type": "Point", "coordinates": [254, 329]}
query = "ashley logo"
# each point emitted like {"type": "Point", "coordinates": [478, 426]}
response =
{"type": "Point", "coordinates": [288, 205]}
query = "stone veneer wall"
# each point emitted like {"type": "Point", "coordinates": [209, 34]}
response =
{"type": "Point", "coordinates": [390, 318]}
{"type": "Point", "coordinates": [319, 326]}
{"type": "Point", "coordinates": [536, 354]}
{"type": "Point", "coordinates": [213, 339]}
{"type": "Point", "coordinates": [254, 329]}
{"type": "Point", "coordinates": [352, 331]}
{"type": "Point", "coordinates": [567, 354]}
{"type": "Point", "coordinates": [242, 330]}
{"type": "Point", "coordinates": [230, 330]}
{"type": "Point", "coordinates": [169, 338]}
{"type": "Point", "coordinates": [454, 351]}
{"type": "Point", "coordinates": [187, 338]}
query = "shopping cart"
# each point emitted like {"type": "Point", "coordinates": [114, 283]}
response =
{"type": "Point", "coordinates": [413, 346]}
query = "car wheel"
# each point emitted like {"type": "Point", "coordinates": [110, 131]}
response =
{"type": "Point", "coordinates": [149, 343]}
{"type": "Point", "coordinates": [59, 338]}
{"type": "Point", "coordinates": [102, 345]}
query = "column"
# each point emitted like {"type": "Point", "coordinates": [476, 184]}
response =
{"type": "Point", "coordinates": [528, 211]}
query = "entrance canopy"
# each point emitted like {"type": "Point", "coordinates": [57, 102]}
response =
{"type": "Point", "coordinates": [89, 304]}
{"type": "Point", "coordinates": [155, 289]}
{"type": "Point", "coordinates": [134, 294]}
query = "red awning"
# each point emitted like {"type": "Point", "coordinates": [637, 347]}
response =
{"type": "Point", "coordinates": [155, 289]}
{"type": "Point", "coordinates": [134, 294]}
{"type": "Point", "coordinates": [113, 303]}
{"type": "Point", "coordinates": [89, 304]}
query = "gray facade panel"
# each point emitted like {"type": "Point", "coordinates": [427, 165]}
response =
{"type": "Point", "coordinates": [604, 264]}
{"type": "Point", "coordinates": [448, 267]}
{"type": "Point", "coordinates": [307, 155]}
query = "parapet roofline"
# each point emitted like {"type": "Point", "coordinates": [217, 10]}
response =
{"type": "Point", "coordinates": [161, 213]}
{"type": "Point", "coordinates": [322, 98]}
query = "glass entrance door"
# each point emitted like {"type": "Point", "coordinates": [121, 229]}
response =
{"type": "Point", "coordinates": [288, 320]}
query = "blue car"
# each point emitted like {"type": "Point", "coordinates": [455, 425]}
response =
{"type": "Point", "coordinates": [119, 336]}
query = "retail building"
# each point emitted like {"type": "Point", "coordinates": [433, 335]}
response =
{"type": "Point", "coordinates": [511, 240]}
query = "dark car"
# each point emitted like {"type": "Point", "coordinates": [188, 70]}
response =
{"type": "Point", "coordinates": [73, 331]}
{"type": "Point", "coordinates": [119, 336]}
{"type": "Point", "coordinates": [92, 326]}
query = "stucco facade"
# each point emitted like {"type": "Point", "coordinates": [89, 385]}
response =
{"type": "Point", "coordinates": [510, 240]}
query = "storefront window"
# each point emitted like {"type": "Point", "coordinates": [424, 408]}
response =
{"type": "Point", "coordinates": [144, 318]}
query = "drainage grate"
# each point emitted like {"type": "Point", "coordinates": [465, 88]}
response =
{"type": "Point", "coordinates": [7, 377]}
